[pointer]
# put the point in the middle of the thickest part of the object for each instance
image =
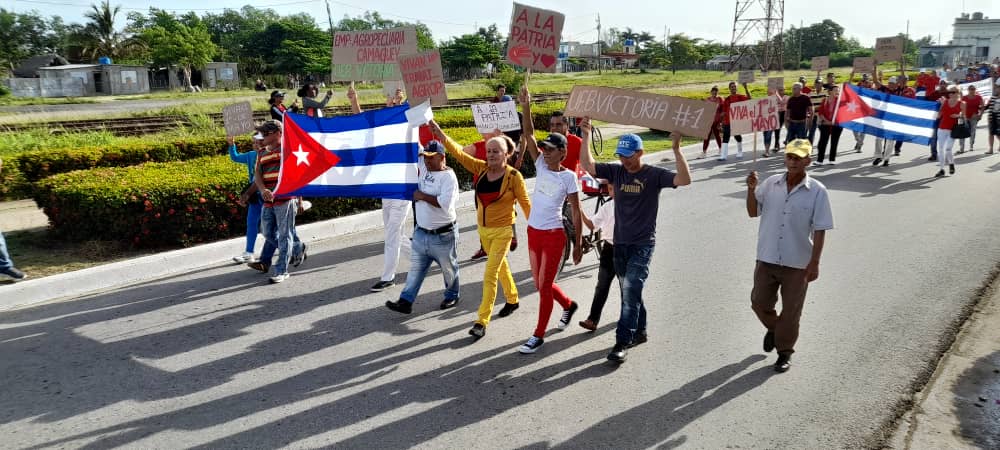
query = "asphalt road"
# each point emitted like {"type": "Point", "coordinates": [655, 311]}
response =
{"type": "Point", "coordinates": [220, 359]}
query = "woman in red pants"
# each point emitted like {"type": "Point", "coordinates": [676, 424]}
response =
{"type": "Point", "coordinates": [716, 123]}
{"type": "Point", "coordinates": [554, 185]}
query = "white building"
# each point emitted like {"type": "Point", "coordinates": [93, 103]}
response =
{"type": "Point", "coordinates": [975, 38]}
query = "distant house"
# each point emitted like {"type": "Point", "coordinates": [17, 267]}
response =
{"type": "Point", "coordinates": [82, 80]}
{"type": "Point", "coordinates": [29, 67]}
{"type": "Point", "coordinates": [724, 62]}
{"type": "Point", "coordinates": [975, 38]}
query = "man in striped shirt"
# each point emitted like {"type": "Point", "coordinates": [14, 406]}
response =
{"type": "Point", "coordinates": [278, 218]}
{"type": "Point", "coordinates": [993, 114]}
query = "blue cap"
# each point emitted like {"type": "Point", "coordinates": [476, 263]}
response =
{"type": "Point", "coordinates": [628, 144]}
{"type": "Point", "coordinates": [433, 148]}
{"type": "Point", "coordinates": [506, 98]}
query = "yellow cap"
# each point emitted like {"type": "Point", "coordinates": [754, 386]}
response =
{"type": "Point", "coordinates": [799, 147]}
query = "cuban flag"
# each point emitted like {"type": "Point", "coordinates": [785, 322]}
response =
{"type": "Point", "coordinates": [371, 155]}
{"type": "Point", "coordinates": [886, 116]}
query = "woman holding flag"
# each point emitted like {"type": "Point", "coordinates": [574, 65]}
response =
{"type": "Point", "coordinates": [498, 186]}
{"type": "Point", "coordinates": [829, 131]}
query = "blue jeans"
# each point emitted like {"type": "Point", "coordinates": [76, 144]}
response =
{"type": "Point", "coordinates": [797, 130]}
{"type": "Point", "coordinates": [812, 130]}
{"type": "Point", "coordinates": [5, 262]}
{"type": "Point", "coordinates": [278, 224]}
{"type": "Point", "coordinates": [632, 268]}
{"type": "Point", "coordinates": [254, 211]}
{"type": "Point", "coordinates": [426, 248]}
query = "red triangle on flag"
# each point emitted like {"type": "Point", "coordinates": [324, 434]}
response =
{"type": "Point", "coordinates": [302, 159]}
{"type": "Point", "coordinates": [851, 106]}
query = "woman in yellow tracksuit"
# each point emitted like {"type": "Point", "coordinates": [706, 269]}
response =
{"type": "Point", "coordinates": [498, 187]}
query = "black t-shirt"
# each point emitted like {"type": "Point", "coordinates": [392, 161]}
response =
{"type": "Point", "coordinates": [637, 200]}
{"type": "Point", "coordinates": [798, 107]}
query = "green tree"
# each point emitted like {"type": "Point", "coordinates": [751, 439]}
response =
{"type": "Point", "coordinates": [372, 20]}
{"type": "Point", "coordinates": [99, 37]}
{"type": "Point", "coordinates": [654, 55]}
{"type": "Point", "coordinates": [464, 54]}
{"type": "Point", "coordinates": [308, 47]}
{"type": "Point", "coordinates": [684, 51]}
{"type": "Point", "coordinates": [183, 41]}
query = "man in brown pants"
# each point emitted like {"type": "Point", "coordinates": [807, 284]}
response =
{"type": "Point", "coordinates": [795, 214]}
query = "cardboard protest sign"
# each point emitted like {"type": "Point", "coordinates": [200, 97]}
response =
{"type": "Point", "coordinates": [956, 75]}
{"type": "Point", "coordinates": [889, 48]}
{"type": "Point", "coordinates": [776, 84]}
{"type": "Point", "coordinates": [659, 112]}
{"type": "Point", "coordinates": [371, 54]}
{"type": "Point", "coordinates": [534, 38]}
{"type": "Point", "coordinates": [389, 87]}
{"type": "Point", "coordinates": [820, 63]}
{"type": "Point", "coordinates": [492, 116]}
{"type": "Point", "coordinates": [864, 64]}
{"type": "Point", "coordinates": [238, 119]}
{"type": "Point", "coordinates": [746, 76]}
{"type": "Point", "coordinates": [751, 116]}
{"type": "Point", "coordinates": [423, 78]}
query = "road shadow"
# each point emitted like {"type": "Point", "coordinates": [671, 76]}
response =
{"type": "Point", "coordinates": [977, 402]}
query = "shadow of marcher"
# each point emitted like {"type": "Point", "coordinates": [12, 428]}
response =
{"type": "Point", "coordinates": [978, 423]}
{"type": "Point", "coordinates": [655, 422]}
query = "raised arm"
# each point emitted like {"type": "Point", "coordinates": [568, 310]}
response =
{"type": "Point", "coordinates": [352, 95]}
{"type": "Point", "coordinates": [586, 159]}
{"type": "Point", "coordinates": [683, 177]}
{"type": "Point", "coordinates": [527, 124]}
{"type": "Point", "coordinates": [747, 90]}
{"type": "Point", "coordinates": [455, 150]}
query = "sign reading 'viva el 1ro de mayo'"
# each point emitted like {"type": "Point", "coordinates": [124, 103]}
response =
{"type": "Point", "coordinates": [533, 41]}
{"type": "Point", "coordinates": [751, 116]}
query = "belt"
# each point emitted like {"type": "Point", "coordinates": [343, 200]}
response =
{"type": "Point", "coordinates": [442, 230]}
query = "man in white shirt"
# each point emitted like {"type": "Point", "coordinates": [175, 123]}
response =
{"type": "Point", "coordinates": [795, 214]}
{"type": "Point", "coordinates": [435, 238]}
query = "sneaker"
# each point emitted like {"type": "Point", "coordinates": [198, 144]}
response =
{"type": "Point", "coordinates": [479, 254]}
{"type": "Point", "coordinates": [896, 153]}
{"type": "Point", "coordinates": [831, 163]}
{"type": "Point", "coordinates": [939, 174]}
{"type": "Point", "coordinates": [301, 258]}
{"type": "Point", "coordinates": [532, 345]}
{"type": "Point", "coordinates": [885, 163]}
{"type": "Point", "coordinates": [618, 354]}
{"type": "Point", "coordinates": [567, 315]}
{"type": "Point", "coordinates": [478, 331]}
{"type": "Point", "coordinates": [278, 278]}
{"type": "Point", "coordinates": [951, 169]}
{"type": "Point", "coordinates": [739, 156]}
{"type": "Point", "coordinates": [508, 309]}
{"type": "Point", "coordinates": [877, 161]}
{"type": "Point", "coordinates": [783, 363]}
{"type": "Point", "coordinates": [960, 151]}
{"type": "Point", "coordinates": [932, 158]}
{"type": "Point", "coordinates": [513, 244]}
{"type": "Point", "coordinates": [260, 266]}
{"type": "Point", "coordinates": [306, 205]}
{"type": "Point", "coordinates": [400, 306]}
{"type": "Point", "coordinates": [720, 159]}
{"type": "Point", "coordinates": [382, 285]}
{"type": "Point", "coordinates": [766, 153]}
{"type": "Point", "coordinates": [640, 338]}
{"type": "Point", "coordinates": [246, 257]}
{"type": "Point", "coordinates": [13, 273]}
{"type": "Point", "coordinates": [588, 324]}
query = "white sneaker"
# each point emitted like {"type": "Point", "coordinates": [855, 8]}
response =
{"type": "Point", "coordinates": [279, 278]}
{"type": "Point", "coordinates": [739, 155]}
{"type": "Point", "coordinates": [831, 163]}
{"type": "Point", "coordinates": [532, 345]}
{"type": "Point", "coordinates": [306, 204]}
{"type": "Point", "coordinates": [245, 258]}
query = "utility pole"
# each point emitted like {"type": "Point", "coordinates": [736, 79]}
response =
{"type": "Point", "coordinates": [329, 17]}
{"type": "Point", "coordinates": [600, 46]}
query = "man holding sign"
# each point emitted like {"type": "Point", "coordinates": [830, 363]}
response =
{"type": "Point", "coordinates": [734, 97]}
{"type": "Point", "coordinates": [637, 190]}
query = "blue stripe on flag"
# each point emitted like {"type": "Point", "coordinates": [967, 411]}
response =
{"type": "Point", "coordinates": [400, 191]}
{"type": "Point", "coordinates": [385, 154]}
{"type": "Point", "coordinates": [898, 100]}
{"type": "Point", "coordinates": [886, 134]}
{"type": "Point", "coordinates": [365, 120]}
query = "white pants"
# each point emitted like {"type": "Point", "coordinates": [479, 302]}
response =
{"type": "Point", "coordinates": [394, 213]}
{"type": "Point", "coordinates": [884, 148]}
{"type": "Point", "coordinates": [945, 146]}
{"type": "Point", "coordinates": [860, 138]}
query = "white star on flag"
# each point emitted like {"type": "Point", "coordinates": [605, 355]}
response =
{"type": "Point", "coordinates": [301, 157]}
{"type": "Point", "coordinates": [852, 107]}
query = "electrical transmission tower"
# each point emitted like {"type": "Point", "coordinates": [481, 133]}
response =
{"type": "Point", "coordinates": [757, 33]}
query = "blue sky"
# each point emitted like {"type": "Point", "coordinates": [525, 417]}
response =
{"type": "Point", "coordinates": [864, 20]}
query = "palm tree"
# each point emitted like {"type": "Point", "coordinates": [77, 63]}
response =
{"type": "Point", "coordinates": [99, 35]}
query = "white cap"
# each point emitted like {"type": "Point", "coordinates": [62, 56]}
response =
{"type": "Point", "coordinates": [258, 136]}
{"type": "Point", "coordinates": [892, 79]}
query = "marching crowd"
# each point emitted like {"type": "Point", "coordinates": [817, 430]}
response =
{"type": "Point", "coordinates": [794, 211]}
{"type": "Point", "coordinates": [807, 110]}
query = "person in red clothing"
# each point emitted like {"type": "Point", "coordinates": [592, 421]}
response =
{"type": "Point", "coordinates": [973, 111]}
{"type": "Point", "coordinates": [829, 132]}
{"type": "Point", "coordinates": [952, 111]}
{"type": "Point", "coordinates": [716, 123]}
{"type": "Point", "coordinates": [805, 88]}
{"type": "Point", "coordinates": [734, 97]}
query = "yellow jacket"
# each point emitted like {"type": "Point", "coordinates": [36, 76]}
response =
{"type": "Point", "coordinates": [500, 213]}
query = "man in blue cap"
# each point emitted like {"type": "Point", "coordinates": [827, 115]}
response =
{"type": "Point", "coordinates": [637, 199]}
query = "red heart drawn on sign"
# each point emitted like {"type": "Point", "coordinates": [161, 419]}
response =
{"type": "Point", "coordinates": [520, 55]}
{"type": "Point", "coordinates": [548, 60]}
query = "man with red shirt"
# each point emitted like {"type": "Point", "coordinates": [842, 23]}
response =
{"type": "Point", "coordinates": [278, 216]}
{"type": "Point", "coordinates": [734, 97]}
{"type": "Point", "coordinates": [973, 111]}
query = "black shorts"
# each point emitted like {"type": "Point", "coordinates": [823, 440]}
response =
{"type": "Point", "coordinates": [994, 126]}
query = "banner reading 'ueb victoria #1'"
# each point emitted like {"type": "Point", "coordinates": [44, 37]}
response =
{"type": "Point", "coordinates": [658, 112]}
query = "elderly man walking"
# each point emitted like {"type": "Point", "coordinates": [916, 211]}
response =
{"type": "Point", "coordinates": [795, 213]}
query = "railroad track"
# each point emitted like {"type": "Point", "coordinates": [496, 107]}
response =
{"type": "Point", "coordinates": [133, 126]}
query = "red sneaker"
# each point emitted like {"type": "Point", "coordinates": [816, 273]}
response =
{"type": "Point", "coordinates": [513, 244]}
{"type": "Point", "coordinates": [479, 254]}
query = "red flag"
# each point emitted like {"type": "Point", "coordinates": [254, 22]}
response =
{"type": "Point", "coordinates": [302, 158]}
{"type": "Point", "coordinates": [850, 106]}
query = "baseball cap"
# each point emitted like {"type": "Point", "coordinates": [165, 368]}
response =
{"type": "Point", "coordinates": [269, 126]}
{"type": "Point", "coordinates": [277, 94]}
{"type": "Point", "coordinates": [893, 79]}
{"type": "Point", "coordinates": [258, 136]}
{"type": "Point", "coordinates": [799, 147]}
{"type": "Point", "coordinates": [506, 98]}
{"type": "Point", "coordinates": [802, 79]}
{"type": "Point", "coordinates": [554, 140]}
{"type": "Point", "coordinates": [432, 148]}
{"type": "Point", "coordinates": [628, 144]}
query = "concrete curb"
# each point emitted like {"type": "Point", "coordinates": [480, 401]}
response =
{"type": "Point", "coordinates": [147, 268]}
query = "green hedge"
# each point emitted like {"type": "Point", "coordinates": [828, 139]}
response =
{"type": "Point", "coordinates": [161, 204]}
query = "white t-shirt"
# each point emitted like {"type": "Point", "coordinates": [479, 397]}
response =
{"type": "Point", "coordinates": [551, 189]}
{"type": "Point", "coordinates": [604, 220]}
{"type": "Point", "coordinates": [443, 185]}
